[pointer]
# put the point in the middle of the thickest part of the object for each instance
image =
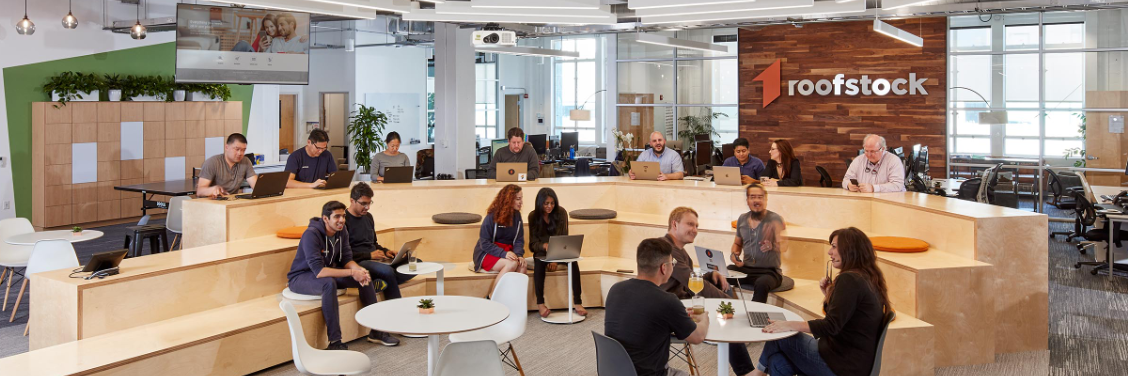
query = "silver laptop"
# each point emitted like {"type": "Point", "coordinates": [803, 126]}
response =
{"type": "Point", "coordinates": [564, 247]}
{"type": "Point", "coordinates": [726, 175]}
{"type": "Point", "coordinates": [406, 251]}
{"type": "Point", "coordinates": [646, 170]}
{"type": "Point", "coordinates": [711, 260]}
{"type": "Point", "coordinates": [511, 172]}
{"type": "Point", "coordinates": [714, 260]}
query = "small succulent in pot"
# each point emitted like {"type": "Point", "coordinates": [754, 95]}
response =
{"type": "Point", "coordinates": [426, 306]}
{"type": "Point", "coordinates": [76, 231]}
{"type": "Point", "coordinates": [726, 310]}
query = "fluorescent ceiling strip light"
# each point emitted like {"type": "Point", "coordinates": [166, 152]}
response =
{"type": "Point", "coordinates": [535, 4]}
{"type": "Point", "coordinates": [896, 33]}
{"type": "Point", "coordinates": [418, 14]}
{"type": "Point", "coordinates": [895, 4]}
{"type": "Point", "coordinates": [307, 7]}
{"type": "Point", "coordinates": [381, 5]}
{"type": "Point", "coordinates": [660, 40]}
{"type": "Point", "coordinates": [656, 4]}
{"type": "Point", "coordinates": [821, 7]}
{"type": "Point", "coordinates": [464, 8]}
{"type": "Point", "coordinates": [706, 9]}
{"type": "Point", "coordinates": [527, 51]}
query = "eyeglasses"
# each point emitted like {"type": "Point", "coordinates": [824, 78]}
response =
{"type": "Point", "coordinates": [321, 148]}
{"type": "Point", "coordinates": [756, 197]}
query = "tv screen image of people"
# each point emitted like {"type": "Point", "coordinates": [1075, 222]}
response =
{"type": "Point", "coordinates": [241, 46]}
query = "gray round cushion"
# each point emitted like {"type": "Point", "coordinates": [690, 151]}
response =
{"type": "Point", "coordinates": [786, 285]}
{"type": "Point", "coordinates": [456, 218]}
{"type": "Point", "coordinates": [593, 214]}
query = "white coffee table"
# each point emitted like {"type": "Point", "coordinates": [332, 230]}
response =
{"type": "Point", "coordinates": [426, 268]}
{"type": "Point", "coordinates": [566, 317]}
{"type": "Point", "coordinates": [32, 237]}
{"type": "Point", "coordinates": [737, 330]}
{"type": "Point", "coordinates": [453, 314]}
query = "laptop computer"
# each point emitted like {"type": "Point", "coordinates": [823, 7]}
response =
{"type": "Point", "coordinates": [268, 185]}
{"type": "Point", "coordinates": [339, 179]}
{"type": "Point", "coordinates": [511, 172]}
{"type": "Point", "coordinates": [646, 170]}
{"type": "Point", "coordinates": [726, 175]}
{"type": "Point", "coordinates": [399, 174]}
{"type": "Point", "coordinates": [104, 264]}
{"type": "Point", "coordinates": [564, 247]}
{"type": "Point", "coordinates": [714, 260]}
{"type": "Point", "coordinates": [405, 252]}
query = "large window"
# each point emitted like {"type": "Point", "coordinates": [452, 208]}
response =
{"type": "Point", "coordinates": [667, 89]}
{"type": "Point", "coordinates": [486, 98]}
{"type": "Point", "coordinates": [576, 80]}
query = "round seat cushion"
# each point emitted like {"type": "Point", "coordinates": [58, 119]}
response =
{"type": "Point", "coordinates": [733, 224]}
{"type": "Point", "coordinates": [593, 214]}
{"type": "Point", "coordinates": [898, 244]}
{"type": "Point", "coordinates": [479, 271]}
{"type": "Point", "coordinates": [286, 293]}
{"type": "Point", "coordinates": [786, 285]}
{"type": "Point", "coordinates": [456, 218]}
{"type": "Point", "coordinates": [291, 232]}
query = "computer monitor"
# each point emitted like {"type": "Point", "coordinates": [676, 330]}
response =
{"type": "Point", "coordinates": [727, 150]}
{"type": "Point", "coordinates": [702, 137]}
{"type": "Point", "coordinates": [900, 151]}
{"type": "Point", "coordinates": [921, 165]}
{"type": "Point", "coordinates": [704, 152]}
{"type": "Point", "coordinates": [498, 144]}
{"type": "Point", "coordinates": [539, 142]}
{"type": "Point", "coordinates": [569, 140]}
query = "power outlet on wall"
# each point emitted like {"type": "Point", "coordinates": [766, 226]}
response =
{"type": "Point", "coordinates": [7, 205]}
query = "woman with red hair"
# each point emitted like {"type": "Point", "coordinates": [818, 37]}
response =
{"type": "Point", "coordinates": [501, 241]}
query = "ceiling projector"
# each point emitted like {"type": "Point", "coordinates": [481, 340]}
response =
{"type": "Point", "coordinates": [493, 35]}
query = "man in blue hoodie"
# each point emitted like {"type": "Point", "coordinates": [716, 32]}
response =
{"type": "Point", "coordinates": [324, 263]}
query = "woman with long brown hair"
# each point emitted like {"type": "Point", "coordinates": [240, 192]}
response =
{"type": "Point", "coordinates": [782, 168]}
{"type": "Point", "coordinates": [856, 303]}
{"type": "Point", "coordinates": [501, 240]}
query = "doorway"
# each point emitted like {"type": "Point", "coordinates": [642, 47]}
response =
{"type": "Point", "coordinates": [512, 112]}
{"type": "Point", "coordinates": [334, 118]}
{"type": "Point", "coordinates": [286, 123]}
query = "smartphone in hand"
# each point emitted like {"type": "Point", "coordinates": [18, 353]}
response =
{"type": "Point", "coordinates": [854, 181]}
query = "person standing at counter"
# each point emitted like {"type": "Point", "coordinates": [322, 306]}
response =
{"type": "Point", "coordinates": [323, 263]}
{"type": "Point", "coordinates": [223, 174]}
{"type": "Point", "coordinates": [549, 219]}
{"type": "Point", "coordinates": [390, 157]}
{"type": "Point", "coordinates": [845, 341]}
{"type": "Point", "coordinates": [876, 170]}
{"type": "Point", "coordinates": [782, 169]}
{"type": "Point", "coordinates": [516, 152]}
{"type": "Point", "coordinates": [760, 239]}
{"type": "Point", "coordinates": [669, 162]}
{"type": "Point", "coordinates": [501, 240]}
{"type": "Point", "coordinates": [368, 252]}
{"type": "Point", "coordinates": [750, 167]}
{"type": "Point", "coordinates": [309, 166]}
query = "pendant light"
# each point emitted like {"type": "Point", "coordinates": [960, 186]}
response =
{"type": "Point", "coordinates": [138, 30]}
{"type": "Point", "coordinates": [25, 26]}
{"type": "Point", "coordinates": [69, 21]}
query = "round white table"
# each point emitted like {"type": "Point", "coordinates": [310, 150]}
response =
{"type": "Point", "coordinates": [566, 317]}
{"type": "Point", "coordinates": [426, 268]}
{"type": "Point", "coordinates": [737, 329]}
{"type": "Point", "coordinates": [32, 237]}
{"type": "Point", "coordinates": [453, 314]}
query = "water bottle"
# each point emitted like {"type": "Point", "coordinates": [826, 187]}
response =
{"type": "Point", "coordinates": [572, 152]}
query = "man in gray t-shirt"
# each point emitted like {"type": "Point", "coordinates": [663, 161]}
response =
{"type": "Point", "coordinates": [760, 240]}
{"type": "Point", "coordinates": [223, 174]}
{"type": "Point", "coordinates": [517, 152]}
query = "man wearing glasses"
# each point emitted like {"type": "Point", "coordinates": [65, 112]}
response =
{"type": "Point", "coordinates": [308, 166]}
{"type": "Point", "coordinates": [876, 170]}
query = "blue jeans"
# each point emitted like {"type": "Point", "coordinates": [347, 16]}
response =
{"type": "Point", "coordinates": [795, 355]}
{"type": "Point", "coordinates": [309, 284]}
{"type": "Point", "coordinates": [386, 273]}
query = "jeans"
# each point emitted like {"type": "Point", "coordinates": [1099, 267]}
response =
{"type": "Point", "coordinates": [739, 359]}
{"type": "Point", "coordinates": [538, 281]}
{"type": "Point", "coordinates": [243, 46]}
{"type": "Point", "coordinates": [798, 354]}
{"type": "Point", "coordinates": [762, 281]}
{"type": "Point", "coordinates": [308, 284]}
{"type": "Point", "coordinates": [386, 273]}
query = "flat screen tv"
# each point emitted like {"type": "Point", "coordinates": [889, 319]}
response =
{"type": "Point", "coordinates": [229, 45]}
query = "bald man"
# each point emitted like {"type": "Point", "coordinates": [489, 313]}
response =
{"type": "Point", "coordinates": [876, 170]}
{"type": "Point", "coordinates": [669, 161]}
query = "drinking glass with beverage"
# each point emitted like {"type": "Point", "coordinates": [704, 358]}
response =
{"type": "Point", "coordinates": [412, 263]}
{"type": "Point", "coordinates": [696, 284]}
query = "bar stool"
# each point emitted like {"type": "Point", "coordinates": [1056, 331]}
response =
{"type": "Point", "coordinates": [136, 243]}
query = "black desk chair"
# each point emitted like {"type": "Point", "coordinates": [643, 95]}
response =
{"type": "Point", "coordinates": [1087, 216]}
{"type": "Point", "coordinates": [824, 177]}
{"type": "Point", "coordinates": [1060, 184]}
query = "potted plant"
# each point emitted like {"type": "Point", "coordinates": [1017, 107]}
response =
{"type": "Point", "coordinates": [71, 86]}
{"type": "Point", "coordinates": [113, 84]}
{"type": "Point", "coordinates": [366, 133]}
{"type": "Point", "coordinates": [726, 310]}
{"type": "Point", "coordinates": [208, 92]}
{"type": "Point", "coordinates": [147, 88]}
{"type": "Point", "coordinates": [426, 306]}
{"type": "Point", "coordinates": [1080, 151]}
{"type": "Point", "coordinates": [76, 231]}
{"type": "Point", "coordinates": [624, 142]}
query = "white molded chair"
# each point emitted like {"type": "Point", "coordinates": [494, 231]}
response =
{"type": "Point", "coordinates": [13, 257]}
{"type": "Point", "coordinates": [513, 292]}
{"type": "Point", "coordinates": [480, 356]}
{"type": "Point", "coordinates": [175, 220]}
{"type": "Point", "coordinates": [47, 255]}
{"type": "Point", "coordinates": [311, 361]}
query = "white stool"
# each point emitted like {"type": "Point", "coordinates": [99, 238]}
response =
{"type": "Point", "coordinates": [286, 293]}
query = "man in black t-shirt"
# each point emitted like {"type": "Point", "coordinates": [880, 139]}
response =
{"type": "Point", "coordinates": [641, 316]}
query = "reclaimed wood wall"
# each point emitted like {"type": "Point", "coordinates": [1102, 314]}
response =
{"type": "Point", "coordinates": [828, 130]}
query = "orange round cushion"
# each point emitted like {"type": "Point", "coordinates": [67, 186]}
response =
{"type": "Point", "coordinates": [733, 224]}
{"type": "Point", "coordinates": [898, 244]}
{"type": "Point", "coordinates": [291, 232]}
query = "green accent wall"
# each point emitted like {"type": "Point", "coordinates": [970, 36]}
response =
{"type": "Point", "coordinates": [24, 85]}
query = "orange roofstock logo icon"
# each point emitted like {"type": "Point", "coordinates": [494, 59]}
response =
{"type": "Point", "coordinates": [854, 86]}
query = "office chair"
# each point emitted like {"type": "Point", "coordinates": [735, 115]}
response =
{"type": "Point", "coordinates": [425, 164]}
{"type": "Point", "coordinates": [1059, 187]}
{"type": "Point", "coordinates": [1087, 216]}
{"type": "Point", "coordinates": [611, 358]}
{"type": "Point", "coordinates": [986, 192]}
{"type": "Point", "coordinates": [824, 177]}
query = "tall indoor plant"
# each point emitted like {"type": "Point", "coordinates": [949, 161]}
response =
{"type": "Point", "coordinates": [366, 132]}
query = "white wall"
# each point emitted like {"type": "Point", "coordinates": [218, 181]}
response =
{"type": "Point", "coordinates": [394, 70]}
{"type": "Point", "coordinates": [454, 100]}
{"type": "Point", "coordinates": [535, 75]}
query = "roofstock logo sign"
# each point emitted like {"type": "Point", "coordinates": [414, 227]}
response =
{"type": "Point", "coordinates": [839, 85]}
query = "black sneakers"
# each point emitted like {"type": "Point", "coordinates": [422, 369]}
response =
{"type": "Point", "coordinates": [337, 345]}
{"type": "Point", "coordinates": [382, 338]}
